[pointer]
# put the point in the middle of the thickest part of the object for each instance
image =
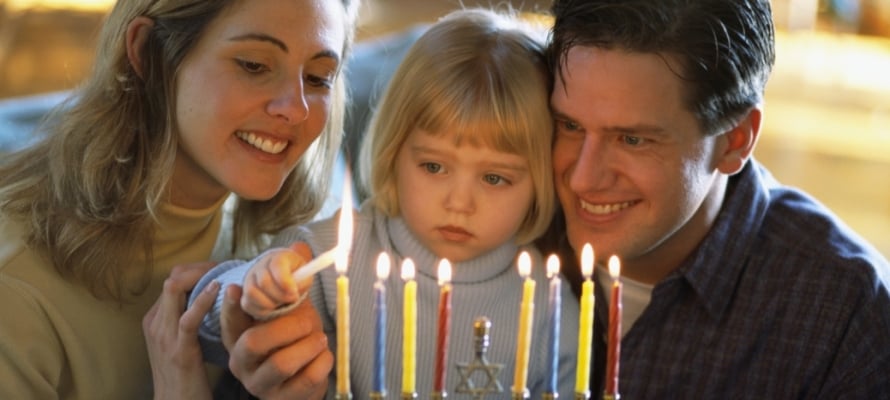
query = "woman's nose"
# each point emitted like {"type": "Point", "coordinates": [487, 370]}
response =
{"type": "Point", "coordinates": [290, 104]}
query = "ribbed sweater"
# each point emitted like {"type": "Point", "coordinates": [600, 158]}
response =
{"type": "Point", "coordinates": [58, 341]}
{"type": "Point", "coordinates": [487, 286]}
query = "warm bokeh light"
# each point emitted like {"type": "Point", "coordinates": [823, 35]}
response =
{"type": "Point", "coordinates": [86, 5]}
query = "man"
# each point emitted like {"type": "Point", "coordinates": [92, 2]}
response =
{"type": "Point", "coordinates": [736, 286]}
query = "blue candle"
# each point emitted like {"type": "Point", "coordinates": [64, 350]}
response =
{"type": "Point", "coordinates": [553, 316]}
{"type": "Point", "coordinates": [379, 378]}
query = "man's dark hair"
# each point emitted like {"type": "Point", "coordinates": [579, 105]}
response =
{"type": "Point", "coordinates": [725, 48]}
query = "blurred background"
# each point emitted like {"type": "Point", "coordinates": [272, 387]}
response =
{"type": "Point", "coordinates": [827, 120]}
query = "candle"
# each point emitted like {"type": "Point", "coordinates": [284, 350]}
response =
{"type": "Point", "coordinates": [614, 352]}
{"type": "Point", "coordinates": [444, 326]}
{"type": "Point", "coordinates": [342, 333]}
{"type": "Point", "coordinates": [553, 315]}
{"type": "Point", "coordinates": [585, 325]}
{"type": "Point", "coordinates": [524, 334]}
{"type": "Point", "coordinates": [379, 381]}
{"type": "Point", "coordinates": [317, 264]}
{"type": "Point", "coordinates": [341, 261]}
{"type": "Point", "coordinates": [409, 329]}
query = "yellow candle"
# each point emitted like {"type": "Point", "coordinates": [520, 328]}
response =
{"type": "Point", "coordinates": [343, 335]}
{"type": "Point", "coordinates": [341, 261]}
{"type": "Point", "coordinates": [409, 329]}
{"type": "Point", "coordinates": [585, 324]}
{"type": "Point", "coordinates": [524, 334]}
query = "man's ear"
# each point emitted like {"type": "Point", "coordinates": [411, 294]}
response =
{"type": "Point", "coordinates": [137, 34]}
{"type": "Point", "coordinates": [740, 142]}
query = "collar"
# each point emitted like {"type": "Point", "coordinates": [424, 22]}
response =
{"type": "Point", "coordinates": [480, 269]}
{"type": "Point", "coordinates": [714, 268]}
{"type": "Point", "coordinates": [179, 227]}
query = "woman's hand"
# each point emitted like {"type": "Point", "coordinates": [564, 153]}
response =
{"type": "Point", "coordinates": [171, 334]}
{"type": "Point", "coordinates": [285, 357]}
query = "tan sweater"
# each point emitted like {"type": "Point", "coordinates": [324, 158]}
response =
{"type": "Point", "coordinates": [58, 341]}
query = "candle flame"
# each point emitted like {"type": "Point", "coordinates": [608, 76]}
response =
{"type": "Point", "coordinates": [407, 269]}
{"type": "Point", "coordinates": [444, 272]}
{"type": "Point", "coordinates": [382, 266]}
{"type": "Point", "coordinates": [552, 266]}
{"type": "Point", "coordinates": [587, 261]}
{"type": "Point", "coordinates": [524, 264]}
{"type": "Point", "coordinates": [344, 228]}
{"type": "Point", "coordinates": [614, 267]}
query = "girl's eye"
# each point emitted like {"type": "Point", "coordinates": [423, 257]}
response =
{"type": "Point", "coordinates": [431, 167]}
{"type": "Point", "coordinates": [252, 67]}
{"type": "Point", "coordinates": [493, 179]}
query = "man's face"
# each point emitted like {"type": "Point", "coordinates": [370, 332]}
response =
{"type": "Point", "coordinates": [634, 172]}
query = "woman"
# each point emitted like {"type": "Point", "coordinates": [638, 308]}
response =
{"type": "Point", "coordinates": [189, 101]}
{"type": "Point", "coordinates": [465, 117]}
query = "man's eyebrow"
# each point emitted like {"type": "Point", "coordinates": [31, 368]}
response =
{"type": "Point", "coordinates": [625, 129]}
{"type": "Point", "coordinates": [270, 39]}
{"type": "Point", "coordinates": [559, 115]}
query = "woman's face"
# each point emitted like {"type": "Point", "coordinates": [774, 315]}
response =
{"type": "Point", "coordinates": [252, 95]}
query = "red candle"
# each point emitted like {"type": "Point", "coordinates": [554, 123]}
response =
{"type": "Point", "coordinates": [444, 326]}
{"type": "Point", "coordinates": [614, 351]}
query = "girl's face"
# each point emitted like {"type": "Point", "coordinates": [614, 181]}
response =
{"type": "Point", "coordinates": [252, 95]}
{"type": "Point", "coordinates": [461, 201]}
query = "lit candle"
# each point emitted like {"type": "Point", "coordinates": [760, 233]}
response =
{"type": "Point", "coordinates": [585, 325]}
{"type": "Point", "coordinates": [409, 346]}
{"type": "Point", "coordinates": [342, 333]}
{"type": "Point", "coordinates": [444, 328]}
{"type": "Point", "coordinates": [614, 352]}
{"type": "Point", "coordinates": [524, 334]}
{"type": "Point", "coordinates": [553, 315]}
{"type": "Point", "coordinates": [341, 261]}
{"type": "Point", "coordinates": [379, 381]}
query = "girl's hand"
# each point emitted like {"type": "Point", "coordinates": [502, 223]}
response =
{"type": "Point", "coordinates": [171, 335]}
{"type": "Point", "coordinates": [283, 358]}
{"type": "Point", "coordinates": [269, 284]}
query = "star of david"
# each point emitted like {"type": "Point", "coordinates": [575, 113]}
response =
{"type": "Point", "coordinates": [490, 370]}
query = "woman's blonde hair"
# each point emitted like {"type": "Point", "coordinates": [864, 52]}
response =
{"type": "Point", "coordinates": [480, 75]}
{"type": "Point", "coordinates": [90, 190]}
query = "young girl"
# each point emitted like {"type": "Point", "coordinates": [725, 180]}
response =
{"type": "Point", "coordinates": [189, 101]}
{"type": "Point", "coordinates": [461, 170]}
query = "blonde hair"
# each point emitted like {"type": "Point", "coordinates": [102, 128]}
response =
{"type": "Point", "coordinates": [480, 75]}
{"type": "Point", "coordinates": [90, 190]}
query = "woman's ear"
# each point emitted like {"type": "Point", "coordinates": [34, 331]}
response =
{"type": "Point", "coordinates": [740, 142]}
{"type": "Point", "coordinates": [137, 34]}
